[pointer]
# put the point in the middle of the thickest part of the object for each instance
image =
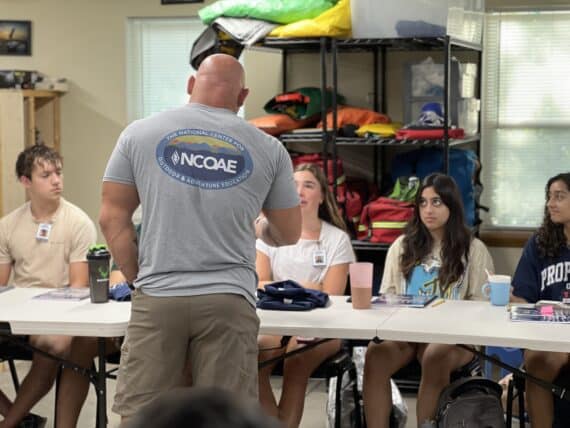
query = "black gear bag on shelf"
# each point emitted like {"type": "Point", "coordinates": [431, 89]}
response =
{"type": "Point", "coordinates": [471, 402]}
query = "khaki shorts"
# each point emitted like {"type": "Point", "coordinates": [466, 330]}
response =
{"type": "Point", "coordinates": [216, 332]}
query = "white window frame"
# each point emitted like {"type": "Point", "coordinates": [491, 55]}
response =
{"type": "Point", "coordinates": [523, 145]}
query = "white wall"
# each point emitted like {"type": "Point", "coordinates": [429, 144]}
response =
{"type": "Point", "coordinates": [84, 41]}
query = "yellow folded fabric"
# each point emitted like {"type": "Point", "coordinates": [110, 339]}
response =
{"type": "Point", "coordinates": [381, 129]}
{"type": "Point", "coordinates": [334, 22]}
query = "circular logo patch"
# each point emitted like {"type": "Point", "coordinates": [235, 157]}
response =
{"type": "Point", "coordinates": [206, 159]}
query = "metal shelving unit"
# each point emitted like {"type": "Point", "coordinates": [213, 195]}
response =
{"type": "Point", "coordinates": [329, 138]}
{"type": "Point", "coordinates": [371, 141]}
{"type": "Point", "coordinates": [368, 246]}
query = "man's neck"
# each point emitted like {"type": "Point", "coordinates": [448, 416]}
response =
{"type": "Point", "coordinates": [43, 211]}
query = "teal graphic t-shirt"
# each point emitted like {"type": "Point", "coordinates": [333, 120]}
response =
{"type": "Point", "coordinates": [424, 280]}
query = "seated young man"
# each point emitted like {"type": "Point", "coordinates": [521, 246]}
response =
{"type": "Point", "coordinates": [44, 243]}
{"type": "Point", "coordinates": [543, 274]}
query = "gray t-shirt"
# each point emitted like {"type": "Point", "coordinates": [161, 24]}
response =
{"type": "Point", "coordinates": [202, 175]}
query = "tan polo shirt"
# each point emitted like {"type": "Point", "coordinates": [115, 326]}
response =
{"type": "Point", "coordinates": [45, 262]}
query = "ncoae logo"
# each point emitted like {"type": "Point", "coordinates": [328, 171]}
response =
{"type": "Point", "coordinates": [205, 159]}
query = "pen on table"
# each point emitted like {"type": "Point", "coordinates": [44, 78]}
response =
{"type": "Point", "coordinates": [439, 302]}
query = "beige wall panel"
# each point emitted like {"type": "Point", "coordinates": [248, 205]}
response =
{"type": "Point", "coordinates": [84, 41]}
{"type": "Point", "coordinates": [11, 143]}
{"type": "Point", "coordinates": [505, 259]}
{"type": "Point", "coordinates": [263, 77]}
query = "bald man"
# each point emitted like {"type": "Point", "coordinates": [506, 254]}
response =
{"type": "Point", "coordinates": [203, 175]}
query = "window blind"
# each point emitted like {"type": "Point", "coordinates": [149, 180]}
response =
{"type": "Point", "coordinates": [158, 66]}
{"type": "Point", "coordinates": [526, 113]}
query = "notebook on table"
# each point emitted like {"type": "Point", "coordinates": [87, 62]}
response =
{"type": "Point", "coordinates": [542, 311]}
{"type": "Point", "coordinates": [406, 300]}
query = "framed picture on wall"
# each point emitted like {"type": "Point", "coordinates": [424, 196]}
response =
{"type": "Point", "coordinates": [15, 37]}
{"type": "Point", "coordinates": [180, 1]}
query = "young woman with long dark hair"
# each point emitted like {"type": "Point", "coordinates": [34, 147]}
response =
{"type": "Point", "coordinates": [436, 255]}
{"type": "Point", "coordinates": [543, 273]}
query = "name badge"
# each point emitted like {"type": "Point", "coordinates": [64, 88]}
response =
{"type": "Point", "coordinates": [43, 232]}
{"type": "Point", "coordinates": [319, 258]}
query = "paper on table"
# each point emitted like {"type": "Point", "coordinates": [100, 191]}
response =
{"type": "Point", "coordinates": [66, 293]}
{"type": "Point", "coordinates": [5, 288]}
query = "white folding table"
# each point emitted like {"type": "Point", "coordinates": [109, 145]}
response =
{"type": "Point", "coordinates": [337, 321]}
{"type": "Point", "coordinates": [454, 322]}
{"type": "Point", "coordinates": [21, 314]}
{"type": "Point", "coordinates": [472, 323]}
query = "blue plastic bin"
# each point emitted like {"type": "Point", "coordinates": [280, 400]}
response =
{"type": "Point", "coordinates": [510, 356]}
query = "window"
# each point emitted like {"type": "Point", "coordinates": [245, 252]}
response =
{"type": "Point", "coordinates": [158, 63]}
{"type": "Point", "coordinates": [526, 113]}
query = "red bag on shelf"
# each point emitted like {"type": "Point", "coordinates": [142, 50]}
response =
{"type": "Point", "coordinates": [358, 193]}
{"type": "Point", "coordinates": [428, 134]}
{"type": "Point", "coordinates": [318, 159]}
{"type": "Point", "coordinates": [384, 219]}
{"type": "Point", "coordinates": [353, 206]}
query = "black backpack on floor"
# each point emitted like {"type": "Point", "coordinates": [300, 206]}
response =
{"type": "Point", "coordinates": [471, 402]}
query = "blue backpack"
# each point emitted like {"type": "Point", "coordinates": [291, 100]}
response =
{"type": "Point", "coordinates": [462, 167]}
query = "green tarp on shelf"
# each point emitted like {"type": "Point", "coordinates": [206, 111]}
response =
{"type": "Point", "coordinates": [280, 11]}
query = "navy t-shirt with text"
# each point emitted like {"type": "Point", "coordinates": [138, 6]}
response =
{"type": "Point", "coordinates": [542, 278]}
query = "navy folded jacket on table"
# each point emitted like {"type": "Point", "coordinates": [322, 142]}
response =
{"type": "Point", "coordinates": [120, 292]}
{"type": "Point", "coordinates": [290, 296]}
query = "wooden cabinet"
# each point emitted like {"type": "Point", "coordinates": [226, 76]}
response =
{"type": "Point", "coordinates": [27, 117]}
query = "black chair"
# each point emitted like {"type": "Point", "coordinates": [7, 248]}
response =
{"type": "Point", "coordinates": [408, 377]}
{"type": "Point", "coordinates": [11, 352]}
{"type": "Point", "coordinates": [335, 367]}
{"type": "Point", "coordinates": [115, 359]}
{"type": "Point", "coordinates": [516, 389]}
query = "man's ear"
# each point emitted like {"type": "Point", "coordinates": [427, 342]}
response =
{"type": "Point", "coordinates": [242, 96]}
{"type": "Point", "coordinates": [190, 86]}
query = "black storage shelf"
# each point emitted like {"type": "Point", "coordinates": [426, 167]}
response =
{"type": "Point", "coordinates": [374, 141]}
{"type": "Point", "coordinates": [329, 139]}
{"type": "Point", "coordinates": [326, 46]}
{"type": "Point", "coordinates": [368, 246]}
{"type": "Point", "coordinates": [404, 44]}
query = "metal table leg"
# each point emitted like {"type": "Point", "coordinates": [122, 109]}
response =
{"type": "Point", "coordinates": [101, 385]}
